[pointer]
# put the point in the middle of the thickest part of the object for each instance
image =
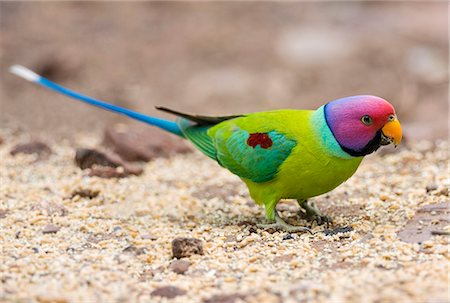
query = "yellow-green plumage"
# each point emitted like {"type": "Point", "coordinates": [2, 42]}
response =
{"type": "Point", "coordinates": [314, 165]}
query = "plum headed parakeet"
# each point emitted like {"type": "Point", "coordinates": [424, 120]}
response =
{"type": "Point", "coordinates": [280, 154]}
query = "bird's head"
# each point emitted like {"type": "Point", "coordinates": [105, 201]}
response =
{"type": "Point", "coordinates": [361, 124]}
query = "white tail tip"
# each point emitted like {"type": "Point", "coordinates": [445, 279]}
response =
{"type": "Point", "coordinates": [24, 72]}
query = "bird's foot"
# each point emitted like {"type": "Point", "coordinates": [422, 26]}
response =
{"type": "Point", "coordinates": [313, 214]}
{"type": "Point", "coordinates": [280, 224]}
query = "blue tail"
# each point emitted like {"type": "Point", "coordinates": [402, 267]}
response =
{"type": "Point", "coordinates": [29, 75]}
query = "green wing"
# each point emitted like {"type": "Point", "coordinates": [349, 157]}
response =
{"type": "Point", "coordinates": [245, 145]}
{"type": "Point", "coordinates": [255, 156]}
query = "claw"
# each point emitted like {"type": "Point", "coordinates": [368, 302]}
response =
{"type": "Point", "coordinates": [280, 224]}
{"type": "Point", "coordinates": [313, 214]}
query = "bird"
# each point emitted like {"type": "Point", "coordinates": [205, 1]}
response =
{"type": "Point", "coordinates": [278, 154]}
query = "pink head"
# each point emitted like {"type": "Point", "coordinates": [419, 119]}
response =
{"type": "Point", "coordinates": [361, 124]}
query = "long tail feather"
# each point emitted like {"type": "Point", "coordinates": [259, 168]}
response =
{"type": "Point", "coordinates": [31, 76]}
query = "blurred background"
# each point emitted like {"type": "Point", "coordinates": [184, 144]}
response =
{"type": "Point", "coordinates": [223, 58]}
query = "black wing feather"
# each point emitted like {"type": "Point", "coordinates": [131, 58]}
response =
{"type": "Point", "coordinates": [200, 120]}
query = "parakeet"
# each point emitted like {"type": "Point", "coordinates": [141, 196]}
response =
{"type": "Point", "coordinates": [279, 154]}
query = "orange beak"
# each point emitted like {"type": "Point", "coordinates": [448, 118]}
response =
{"type": "Point", "coordinates": [393, 131]}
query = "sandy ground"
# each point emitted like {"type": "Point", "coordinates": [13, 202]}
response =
{"type": "Point", "coordinates": [68, 237]}
{"type": "Point", "coordinates": [60, 246]}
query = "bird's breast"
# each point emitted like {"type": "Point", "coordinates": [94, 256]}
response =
{"type": "Point", "coordinates": [309, 173]}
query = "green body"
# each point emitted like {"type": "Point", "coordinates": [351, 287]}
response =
{"type": "Point", "coordinates": [304, 161]}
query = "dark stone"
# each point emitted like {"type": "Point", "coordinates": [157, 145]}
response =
{"type": "Point", "coordinates": [186, 247]}
{"type": "Point", "coordinates": [140, 143]}
{"type": "Point", "coordinates": [339, 230]}
{"type": "Point", "coordinates": [288, 237]}
{"type": "Point", "coordinates": [85, 193]}
{"type": "Point", "coordinates": [168, 292]}
{"type": "Point", "coordinates": [105, 165]}
{"type": "Point", "coordinates": [245, 223]}
{"type": "Point", "coordinates": [252, 230]}
{"type": "Point", "coordinates": [33, 147]}
{"type": "Point", "coordinates": [86, 158]}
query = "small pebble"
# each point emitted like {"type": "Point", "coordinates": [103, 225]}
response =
{"type": "Point", "coordinates": [179, 266]}
{"type": "Point", "coordinates": [50, 229]}
{"type": "Point", "coordinates": [168, 292]}
{"type": "Point", "coordinates": [228, 298]}
{"type": "Point", "coordinates": [431, 187]}
{"type": "Point", "coordinates": [444, 191]}
{"type": "Point", "coordinates": [186, 247]}
{"type": "Point", "coordinates": [3, 213]}
{"type": "Point", "coordinates": [338, 230]}
{"type": "Point", "coordinates": [85, 193]}
{"type": "Point", "coordinates": [107, 172]}
{"type": "Point", "coordinates": [288, 237]}
{"type": "Point", "coordinates": [134, 250]}
{"type": "Point", "coordinates": [34, 147]}
{"type": "Point", "coordinates": [252, 230]}
{"type": "Point", "coordinates": [116, 229]}
{"type": "Point", "coordinates": [148, 237]}
{"type": "Point", "coordinates": [87, 158]}
{"type": "Point", "coordinates": [105, 164]}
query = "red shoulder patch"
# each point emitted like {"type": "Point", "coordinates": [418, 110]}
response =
{"type": "Point", "coordinates": [261, 139]}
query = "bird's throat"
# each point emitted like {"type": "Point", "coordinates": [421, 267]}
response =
{"type": "Point", "coordinates": [370, 147]}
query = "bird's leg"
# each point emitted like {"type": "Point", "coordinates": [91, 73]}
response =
{"type": "Point", "coordinates": [312, 213]}
{"type": "Point", "coordinates": [280, 224]}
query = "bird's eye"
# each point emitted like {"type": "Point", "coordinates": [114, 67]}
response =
{"type": "Point", "coordinates": [366, 120]}
{"type": "Point", "coordinates": [391, 117]}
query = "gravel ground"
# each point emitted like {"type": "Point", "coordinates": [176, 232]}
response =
{"type": "Point", "coordinates": [68, 237]}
